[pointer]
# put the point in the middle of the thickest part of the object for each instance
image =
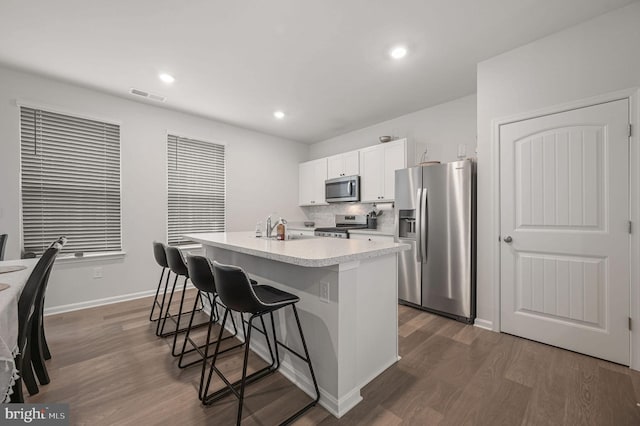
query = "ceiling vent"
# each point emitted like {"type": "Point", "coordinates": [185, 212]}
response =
{"type": "Point", "coordinates": [147, 95]}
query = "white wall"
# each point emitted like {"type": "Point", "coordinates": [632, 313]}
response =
{"type": "Point", "coordinates": [257, 165]}
{"type": "Point", "coordinates": [593, 58]}
{"type": "Point", "coordinates": [440, 128]}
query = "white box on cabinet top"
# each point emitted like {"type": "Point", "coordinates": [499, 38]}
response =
{"type": "Point", "coordinates": [311, 182]}
{"type": "Point", "coordinates": [378, 165]}
{"type": "Point", "coordinates": [347, 164]}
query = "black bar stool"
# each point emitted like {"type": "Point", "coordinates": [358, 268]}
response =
{"type": "Point", "coordinates": [178, 266]}
{"type": "Point", "coordinates": [201, 276]}
{"type": "Point", "coordinates": [236, 292]}
{"type": "Point", "coordinates": [161, 259]}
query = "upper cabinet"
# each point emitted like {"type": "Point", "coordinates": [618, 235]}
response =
{"type": "Point", "coordinates": [311, 182]}
{"type": "Point", "coordinates": [347, 164]}
{"type": "Point", "coordinates": [378, 165]}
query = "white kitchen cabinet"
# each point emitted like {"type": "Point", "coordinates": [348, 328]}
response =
{"type": "Point", "coordinates": [347, 164]}
{"type": "Point", "coordinates": [312, 175]}
{"type": "Point", "coordinates": [378, 165]}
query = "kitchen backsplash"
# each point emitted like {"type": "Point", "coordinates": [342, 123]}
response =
{"type": "Point", "coordinates": [325, 215]}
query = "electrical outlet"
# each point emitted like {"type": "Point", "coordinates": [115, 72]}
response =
{"type": "Point", "coordinates": [97, 272]}
{"type": "Point", "coordinates": [324, 292]}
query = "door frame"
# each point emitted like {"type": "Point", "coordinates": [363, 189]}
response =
{"type": "Point", "coordinates": [633, 95]}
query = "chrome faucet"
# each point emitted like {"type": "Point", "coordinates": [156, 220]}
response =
{"type": "Point", "coordinates": [271, 228]}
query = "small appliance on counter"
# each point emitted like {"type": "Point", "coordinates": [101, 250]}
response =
{"type": "Point", "coordinates": [343, 224]}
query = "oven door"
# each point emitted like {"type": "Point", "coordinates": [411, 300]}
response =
{"type": "Point", "coordinates": [342, 189]}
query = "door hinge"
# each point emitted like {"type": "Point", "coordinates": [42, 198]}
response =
{"type": "Point", "coordinates": [630, 130]}
{"type": "Point", "coordinates": [630, 226]}
{"type": "Point", "coordinates": [629, 323]}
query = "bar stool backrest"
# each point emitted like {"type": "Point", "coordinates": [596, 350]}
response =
{"type": "Point", "coordinates": [159, 252]}
{"type": "Point", "coordinates": [235, 290]}
{"type": "Point", "coordinates": [201, 273]}
{"type": "Point", "coordinates": [175, 260]}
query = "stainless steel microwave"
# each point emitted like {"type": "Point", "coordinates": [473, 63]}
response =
{"type": "Point", "coordinates": [346, 188]}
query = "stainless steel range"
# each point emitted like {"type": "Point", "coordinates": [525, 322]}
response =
{"type": "Point", "coordinates": [343, 224]}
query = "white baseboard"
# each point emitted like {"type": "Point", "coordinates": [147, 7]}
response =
{"type": "Point", "coordinates": [481, 323]}
{"type": "Point", "coordinates": [97, 302]}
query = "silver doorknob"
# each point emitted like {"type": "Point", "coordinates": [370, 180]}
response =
{"type": "Point", "coordinates": [508, 239]}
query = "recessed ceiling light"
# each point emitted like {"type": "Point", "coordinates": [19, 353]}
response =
{"type": "Point", "coordinates": [279, 115]}
{"type": "Point", "coordinates": [167, 78]}
{"type": "Point", "coordinates": [398, 52]}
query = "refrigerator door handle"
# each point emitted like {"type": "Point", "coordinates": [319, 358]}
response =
{"type": "Point", "coordinates": [419, 225]}
{"type": "Point", "coordinates": [424, 226]}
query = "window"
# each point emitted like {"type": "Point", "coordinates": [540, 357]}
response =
{"type": "Point", "coordinates": [70, 182]}
{"type": "Point", "coordinates": [197, 173]}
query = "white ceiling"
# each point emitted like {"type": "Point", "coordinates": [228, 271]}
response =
{"type": "Point", "coordinates": [325, 63]}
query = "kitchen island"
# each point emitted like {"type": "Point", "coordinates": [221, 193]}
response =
{"type": "Point", "coordinates": [348, 305]}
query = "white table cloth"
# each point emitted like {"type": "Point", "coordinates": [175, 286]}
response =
{"type": "Point", "coordinates": [9, 322]}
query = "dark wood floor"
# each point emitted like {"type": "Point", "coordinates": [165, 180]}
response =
{"type": "Point", "coordinates": [111, 369]}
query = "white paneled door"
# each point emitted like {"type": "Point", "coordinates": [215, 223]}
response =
{"type": "Point", "coordinates": [564, 195]}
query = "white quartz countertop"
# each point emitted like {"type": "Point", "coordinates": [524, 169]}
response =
{"type": "Point", "coordinates": [310, 251]}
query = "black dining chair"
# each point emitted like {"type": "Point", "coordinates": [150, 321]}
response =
{"type": "Point", "coordinates": [26, 315]}
{"type": "Point", "coordinates": [3, 243]}
{"type": "Point", "coordinates": [38, 343]}
{"type": "Point", "coordinates": [238, 294]}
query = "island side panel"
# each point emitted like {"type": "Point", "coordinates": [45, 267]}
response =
{"type": "Point", "coordinates": [377, 317]}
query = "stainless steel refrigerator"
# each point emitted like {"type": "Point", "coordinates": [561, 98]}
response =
{"type": "Point", "coordinates": [435, 214]}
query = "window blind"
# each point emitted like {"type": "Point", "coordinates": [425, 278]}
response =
{"type": "Point", "coordinates": [70, 182]}
{"type": "Point", "coordinates": [196, 186]}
